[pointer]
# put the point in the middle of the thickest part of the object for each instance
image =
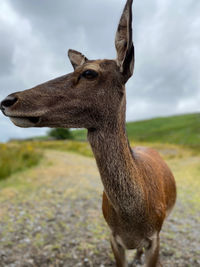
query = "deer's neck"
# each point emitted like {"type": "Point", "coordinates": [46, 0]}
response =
{"type": "Point", "coordinates": [116, 165]}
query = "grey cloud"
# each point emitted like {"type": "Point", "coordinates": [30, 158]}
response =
{"type": "Point", "coordinates": [9, 131]}
{"type": "Point", "coordinates": [74, 24]}
{"type": "Point", "coordinates": [167, 58]}
{"type": "Point", "coordinates": [6, 50]}
{"type": "Point", "coordinates": [166, 36]}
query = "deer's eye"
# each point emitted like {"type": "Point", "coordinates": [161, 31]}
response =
{"type": "Point", "coordinates": [89, 74]}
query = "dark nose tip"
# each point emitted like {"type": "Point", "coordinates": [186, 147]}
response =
{"type": "Point", "coordinates": [8, 102]}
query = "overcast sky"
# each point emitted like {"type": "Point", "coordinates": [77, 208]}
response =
{"type": "Point", "coordinates": [36, 35]}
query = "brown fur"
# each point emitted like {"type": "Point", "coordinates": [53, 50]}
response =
{"type": "Point", "coordinates": [139, 189]}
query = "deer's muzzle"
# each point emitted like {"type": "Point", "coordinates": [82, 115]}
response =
{"type": "Point", "coordinates": [20, 121]}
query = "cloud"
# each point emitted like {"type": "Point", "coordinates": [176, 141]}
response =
{"type": "Point", "coordinates": [35, 37]}
{"type": "Point", "coordinates": [167, 60]}
{"type": "Point", "coordinates": [10, 131]}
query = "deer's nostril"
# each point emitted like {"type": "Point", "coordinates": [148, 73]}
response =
{"type": "Point", "coordinates": [8, 101]}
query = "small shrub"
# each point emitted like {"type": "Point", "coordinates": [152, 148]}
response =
{"type": "Point", "coordinates": [60, 134]}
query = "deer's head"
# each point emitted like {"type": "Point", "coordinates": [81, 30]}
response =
{"type": "Point", "coordinates": [84, 98]}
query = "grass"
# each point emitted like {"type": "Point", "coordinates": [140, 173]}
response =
{"type": "Point", "coordinates": [15, 158]}
{"type": "Point", "coordinates": [82, 148]}
{"type": "Point", "coordinates": [80, 135]}
{"type": "Point", "coordinates": [52, 187]}
{"type": "Point", "coordinates": [66, 178]}
{"type": "Point", "coordinates": [18, 155]}
{"type": "Point", "coordinates": [183, 160]}
{"type": "Point", "coordinates": [187, 172]}
{"type": "Point", "coordinates": [181, 130]}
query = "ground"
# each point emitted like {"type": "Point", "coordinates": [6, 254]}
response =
{"type": "Point", "coordinates": [51, 214]}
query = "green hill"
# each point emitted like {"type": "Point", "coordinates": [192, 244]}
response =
{"type": "Point", "coordinates": [182, 129]}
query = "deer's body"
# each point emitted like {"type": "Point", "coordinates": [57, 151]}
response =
{"type": "Point", "coordinates": [142, 213]}
{"type": "Point", "coordinates": [139, 188]}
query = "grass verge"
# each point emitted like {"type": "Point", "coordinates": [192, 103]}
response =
{"type": "Point", "coordinates": [15, 158]}
{"type": "Point", "coordinates": [82, 148]}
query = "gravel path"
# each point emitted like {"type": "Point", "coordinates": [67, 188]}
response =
{"type": "Point", "coordinates": [51, 216]}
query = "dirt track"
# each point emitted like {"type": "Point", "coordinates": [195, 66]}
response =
{"type": "Point", "coordinates": [51, 216]}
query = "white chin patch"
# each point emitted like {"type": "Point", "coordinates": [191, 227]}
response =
{"type": "Point", "coordinates": [22, 122]}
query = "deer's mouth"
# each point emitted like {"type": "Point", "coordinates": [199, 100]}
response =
{"type": "Point", "coordinates": [25, 121]}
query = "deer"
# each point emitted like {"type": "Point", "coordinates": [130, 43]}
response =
{"type": "Point", "coordinates": [139, 189]}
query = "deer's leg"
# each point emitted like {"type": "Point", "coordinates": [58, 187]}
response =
{"type": "Point", "coordinates": [152, 252]}
{"type": "Point", "coordinates": [119, 253]}
{"type": "Point", "coordinates": [138, 255]}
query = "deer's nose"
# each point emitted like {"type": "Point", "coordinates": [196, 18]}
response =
{"type": "Point", "coordinates": [8, 102]}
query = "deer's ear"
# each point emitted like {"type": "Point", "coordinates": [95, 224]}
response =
{"type": "Point", "coordinates": [76, 58]}
{"type": "Point", "coordinates": [124, 43]}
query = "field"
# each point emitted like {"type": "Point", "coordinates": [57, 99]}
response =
{"type": "Point", "coordinates": [51, 212]}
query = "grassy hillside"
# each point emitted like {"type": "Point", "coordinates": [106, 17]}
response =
{"type": "Point", "coordinates": [182, 130]}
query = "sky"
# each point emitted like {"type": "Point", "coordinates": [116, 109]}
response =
{"type": "Point", "coordinates": [36, 35]}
